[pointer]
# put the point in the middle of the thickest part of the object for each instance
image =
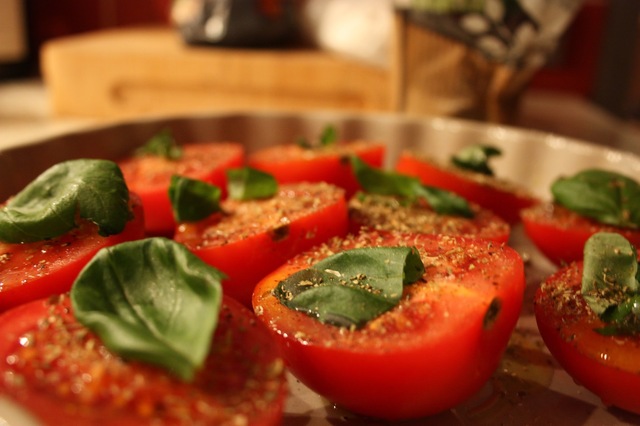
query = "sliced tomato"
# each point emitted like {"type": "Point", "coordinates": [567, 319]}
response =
{"type": "Point", "coordinates": [292, 163]}
{"type": "Point", "coordinates": [252, 238]}
{"type": "Point", "coordinates": [432, 351]}
{"type": "Point", "coordinates": [560, 234]}
{"type": "Point", "coordinates": [503, 198]}
{"type": "Point", "coordinates": [606, 365]}
{"type": "Point", "coordinates": [149, 176]}
{"type": "Point", "coordinates": [31, 271]}
{"type": "Point", "coordinates": [62, 373]}
{"type": "Point", "coordinates": [386, 213]}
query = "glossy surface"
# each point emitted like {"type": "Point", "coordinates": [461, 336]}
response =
{"type": "Point", "coordinates": [609, 366]}
{"type": "Point", "coordinates": [529, 384]}
{"type": "Point", "coordinates": [32, 271]}
{"type": "Point", "coordinates": [449, 330]}
{"type": "Point", "coordinates": [560, 234]}
{"type": "Point", "coordinates": [64, 375]}
{"type": "Point", "coordinates": [149, 176]}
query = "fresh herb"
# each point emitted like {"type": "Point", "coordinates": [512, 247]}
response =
{"type": "Point", "coordinates": [610, 282]}
{"type": "Point", "coordinates": [607, 197]}
{"type": "Point", "coordinates": [162, 144]}
{"type": "Point", "coordinates": [352, 287]}
{"type": "Point", "coordinates": [328, 137]}
{"type": "Point", "coordinates": [51, 204]}
{"type": "Point", "coordinates": [151, 300]}
{"type": "Point", "coordinates": [476, 158]}
{"type": "Point", "coordinates": [247, 183]}
{"type": "Point", "coordinates": [192, 199]}
{"type": "Point", "coordinates": [383, 182]}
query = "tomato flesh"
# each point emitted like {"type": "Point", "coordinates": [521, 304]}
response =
{"type": "Point", "coordinates": [291, 163]}
{"type": "Point", "coordinates": [150, 176]}
{"type": "Point", "coordinates": [32, 271]}
{"type": "Point", "coordinates": [386, 213]}
{"type": "Point", "coordinates": [62, 374]}
{"type": "Point", "coordinates": [503, 198]}
{"type": "Point", "coordinates": [609, 366]}
{"type": "Point", "coordinates": [561, 234]}
{"type": "Point", "coordinates": [433, 351]}
{"type": "Point", "coordinates": [252, 238]}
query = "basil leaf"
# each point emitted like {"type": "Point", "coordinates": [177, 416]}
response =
{"type": "Point", "coordinates": [192, 199]}
{"type": "Point", "coordinates": [352, 287]}
{"type": "Point", "coordinates": [247, 183]}
{"type": "Point", "coordinates": [328, 137]}
{"type": "Point", "coordinates": [445, 202]}
{"type": "Point", "coordinates": [604, 196]}
{"type": "Point", "coordinates": [383, 182]}
{"type": "Point", "coordinates": [476, 158]}
{"type": "Point", "coordinates": [151, 300]}
{"type": "Point", "coordinates": [162, 144]}
{"type": "Point", "coordinates": [609, 282]}
{"type": "Point", "coordinates": [49, 206]}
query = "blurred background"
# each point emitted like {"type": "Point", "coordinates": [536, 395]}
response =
{"type": "Point", "coordinates": [65, 64]}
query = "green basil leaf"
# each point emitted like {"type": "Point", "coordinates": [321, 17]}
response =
{"type": "Point", "coordinates": [352, 287]}
{"type": "Point", "coordinates": [445, 202]}
{"type": "Point", "coordinates": [384, 182]}
{"type": "Point", "coordinates": [151, 300]}
{"type": "Point", "coordinates": [328, 137]}
{"type": "Point", "coordinates": [609, 283]}
{"type": "Point", "coordinates": [607, 197]}
{"type": "Point", "coordinates": [49, 206]}
{"type": "Point", "coordinates": [476, 158]}
{"type": "Point", "coordinates": [162, 144]}
{"type": "Point", "coordinates": [192, 199]}
{"type": "Point", "coordinates": [247, 183]}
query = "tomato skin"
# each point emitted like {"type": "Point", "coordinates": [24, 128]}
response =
{"type": "Point", "coordinates": [248, 253]}
{"type": "Point", "coordinates": [150, 176]}
{"type": "Point", "coordinates": [243, 375]}
{"type": "Point", "coordinates": [609, 366]}
{"type": "Point", "coordinates": [504, 199]}
{"type": "Point", "coordinates": [561, 234]}
{"type": "Point", "coordinates": [291, 163]}
{"type": "Point", "coordinates": [384, 213]}
{"type": "Point", "coordinates": [421, 358]}
{"type": "Point", "coordinates": [46, 268]}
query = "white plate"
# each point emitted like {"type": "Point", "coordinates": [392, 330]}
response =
{"type": "Point", "coordinates": [529, 387]}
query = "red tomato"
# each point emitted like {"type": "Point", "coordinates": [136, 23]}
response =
{"type": "Point", "coordinates": [252, 238]}
{"type": "Point", "coordinates": [606, 365]}
{"type": "Point", "coordinates": [31, 271]}
{"type": "Point", "coordinates": [292, 163]}
{"type": "Point", "coordinates": [560, 234]}
{"type": "Point", "coordinates": [503, 198]}
{"type": "Point", "coordinates": [385, 213]}
{"type": "Point", "coordinates": [150, 176]}
{"type": "Point", "coordinates": [426, 355]}
{"type": "Point", "coordinates": [64, 375]}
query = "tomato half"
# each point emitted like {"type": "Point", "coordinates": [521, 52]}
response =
{"type": "Point", "coordinates": [386, 213]}
{"type": "Point", "coordinates": [292, 163]}
{"type": "Point", "coordinates": [64, 374]}
{"type": "Point", "coordinates": [432, 351]}
{"type": "Point", "coordinates": [149, 176]}
{"type": "Point", "coordinates": [608, 366]}
{"type": "Point", "coordinates": [31, 271]}
{"type": "Point", "coordinates": [560, 234]}
{"type": "Point", "coordinates": [252, 238]}
{"type": "Point", "coordinates": [503, 198]}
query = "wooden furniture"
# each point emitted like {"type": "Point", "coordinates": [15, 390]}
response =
{"type": "Point", "coordinates": [139, 71]}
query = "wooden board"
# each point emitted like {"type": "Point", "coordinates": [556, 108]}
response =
{"type": "Point", "coordinates": [138, 71]}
